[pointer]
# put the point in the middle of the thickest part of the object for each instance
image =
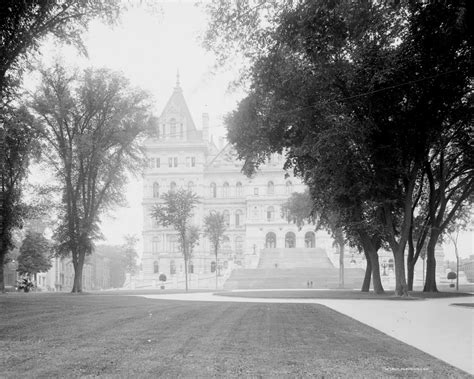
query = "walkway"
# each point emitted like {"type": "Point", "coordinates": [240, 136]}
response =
{"type": "Point", "coordinates": [432, 325]}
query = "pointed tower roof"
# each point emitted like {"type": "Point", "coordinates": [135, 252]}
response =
{"type": "Point", "coordinates": [177, 104]}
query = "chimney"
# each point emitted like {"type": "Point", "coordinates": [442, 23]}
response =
{"type": "Point", "coordinates": [205, 126]}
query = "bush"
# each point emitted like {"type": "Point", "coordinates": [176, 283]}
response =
{"type": "Point", "coordinates": [451, 275]}
{"type": "Point", "coordinates": [162, 278]}
{"type": "Point", "coordinates": [25, 284]}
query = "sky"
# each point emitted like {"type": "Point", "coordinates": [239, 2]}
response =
{"type": "Point", "coordinates": [150, 45]}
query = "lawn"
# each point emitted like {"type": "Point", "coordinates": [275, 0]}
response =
{"type": "Point", "coordinates": [64, 335]}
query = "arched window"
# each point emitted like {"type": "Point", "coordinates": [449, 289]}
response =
{"type": "Point", "coordinates": [155, 245]}
{"type": "Point", "coordinates": [213, 266]}
{"type": "Point", "coordinates": [289, 187]}
{"type": "Point", "coordinates": [290, 240]}
{"type": "Point", "coordinates": [270, 188]}
{"type": "Point", "coordinates": [270, 214]}
{"type": "Point", "coordinates": [213, 190]}
{"type": "Point", "coordinates": [390, 264]}
{"type": "Point", "coordinates": [172, 267]}
{"type": "Point", "coordinates": [270, 240]}
{"type": "Point", "coordinates": [309, 240]}
{"type": "Point", "coordinates": [225, 190]}
{"type": "Point", "coordinates": [226, 243]}
{"type": "Point", "coordinates": [239, 244]}
{"type": "Point", "coordinates": [156, 268]}
{"type": "Point", "coordinates": [190, 186]}
{"type": "Point", "coordinates": [238, 217]}
{"type": "Point", "coordinates": [173, 128]}
{"type": "Point", "coordinates": [227, 217]}
{"type": "Point", "coordinates": [172, 186]}
{"type": "Point", "coordinates": [238, 189]}
{"type": "Point", "coordinates": [156, 190]}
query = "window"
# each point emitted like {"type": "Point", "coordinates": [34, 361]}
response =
{"type": "Point", "coordinates": [181, 134]}
{"type": "Point", "coordinates": [193, 161]}
{"type": "Point", "coordinates": [190, 267]}
{"type": "Point", "coordinates": [188, 161]}
{"type": "Point", "coordinates": [156, 190]}
{"type": "Point", "coordinates": [173, 243]}
{"type": "Point", "coordinates": [225, 190]}
{"type": "Point", "coordinates": [226, 243]}
{"type": "Point", "coordinates": [309, 240]}
{"type": "Point", "coordinates": [175, 159]}
{"type": "Point", "coordinates": [156, 268]}
{"type": "Point", "coordinates": [255, 191]}
{"type": "Point", "coordinates": [164, 131]}
{"type": "Point", "coordinates": [289, 187]}
{"type": "Point", "coordinates": [155, 245]}
{"type": "Point", "coordinates": [172, 186]}
{"type": "Point", "coordinates": [238, 189]}
{"type": "Point", "coordinates": [173, 128]}
{"type": "Point", "coordinates": [213, 266]}
{"type": "Point", "coordinates": [239, 244]}
{"type": "Point", "coordinates": [170, 162]}
{"type": "Point", "coordinates": [238, 217]}
{"type": "Point", "coordinates": [213, 190]}
{"type": "Point", "coordinates": [172, 267]}
{"type": "Point", "coordinates": [151, 163]}
{"type": "Point", "coordinates": [270, 188]}
{"type": "Point", "coordinates": [157, 162]}
{"type": "Point", "coordinates": [227, 217]}
{"type": "Point", "coordinates": [270, 214]}
{"type": "Point", "coordinates": [190, 186]}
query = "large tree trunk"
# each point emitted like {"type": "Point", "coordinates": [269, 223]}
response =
{"type": "Point", "coordinates": [368, 274]}
{"type": "Point", "coordinates": [401, 288]}
{"type": "Point", "coordinates": [78, 263]}
{"type": "Point", "coordinates": [341, 265]}
{"type": "Point", "coordinates": [2, 267]}
{"type": "Point", "coordinates": [430, 282]}
{"type": "Point", "coordinates": [371, 251]}
{"type": "Point", "coordinates": [410, 275]}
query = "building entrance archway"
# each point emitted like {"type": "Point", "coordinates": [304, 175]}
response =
{"type": "Point", "coordinates": [290, 240]}
{"type": "Point", "coordinates": [309, 240]}
{"type": "Point", "coordinates": [270, 240]}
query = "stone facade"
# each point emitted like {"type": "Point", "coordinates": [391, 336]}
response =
{"type": "Point", "coordinates": [180, 155]}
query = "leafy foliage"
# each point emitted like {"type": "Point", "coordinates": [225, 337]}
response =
{"type": "Point", "coordinates": [130, 255]}
{"type": "Point", "coordinates": [35, 253]}
{"type": "Point", "coordinates": [214, 228]}
{"type": "Point", "coordinates": [90, 123]}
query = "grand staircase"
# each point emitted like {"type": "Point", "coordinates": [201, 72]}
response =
{"type": "Point", "coordinates": [293, 268]}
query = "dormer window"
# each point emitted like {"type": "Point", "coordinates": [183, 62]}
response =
{"type": "Point", "coordinates": [173, 131]}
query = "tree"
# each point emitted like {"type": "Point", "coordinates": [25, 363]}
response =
{"type": "Point", "coordinates": [90, 123]}
{"type": "Point", "coordinates": [338, 99]}
{"type": "Point", "coordinates": [23, 25]}
{"type": "Point", "coordinates": [34, 255]}
{"type": "Point", "coordinates": [130, 255]}
{"type": "Point", "coordinates": [26, 23]}
{"type": "Point", "coordinates": [214, 228]}
{"type": "Point", "coordinates": [175, 211]}
{"type": "Point", "coordinates": [17, 142]}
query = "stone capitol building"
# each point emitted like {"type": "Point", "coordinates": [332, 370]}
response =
{"type": "Point", "coordinates": [179, 155]}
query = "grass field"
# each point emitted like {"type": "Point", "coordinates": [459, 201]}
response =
{"type": "Point", "coordinates": [64, 335]}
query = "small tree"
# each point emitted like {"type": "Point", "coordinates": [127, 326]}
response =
{"type": "Point", "coordinates": [130, 255]}
{"type": "Point", "coordinates": [175, 211]}
{"type": "Point", "coordinates": [33, 256]}
{"type": "Point", "coordinates": [214, 228]}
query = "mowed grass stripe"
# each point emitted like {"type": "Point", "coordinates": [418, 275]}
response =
{"type": "Point", "coordinates": [67, 335]}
